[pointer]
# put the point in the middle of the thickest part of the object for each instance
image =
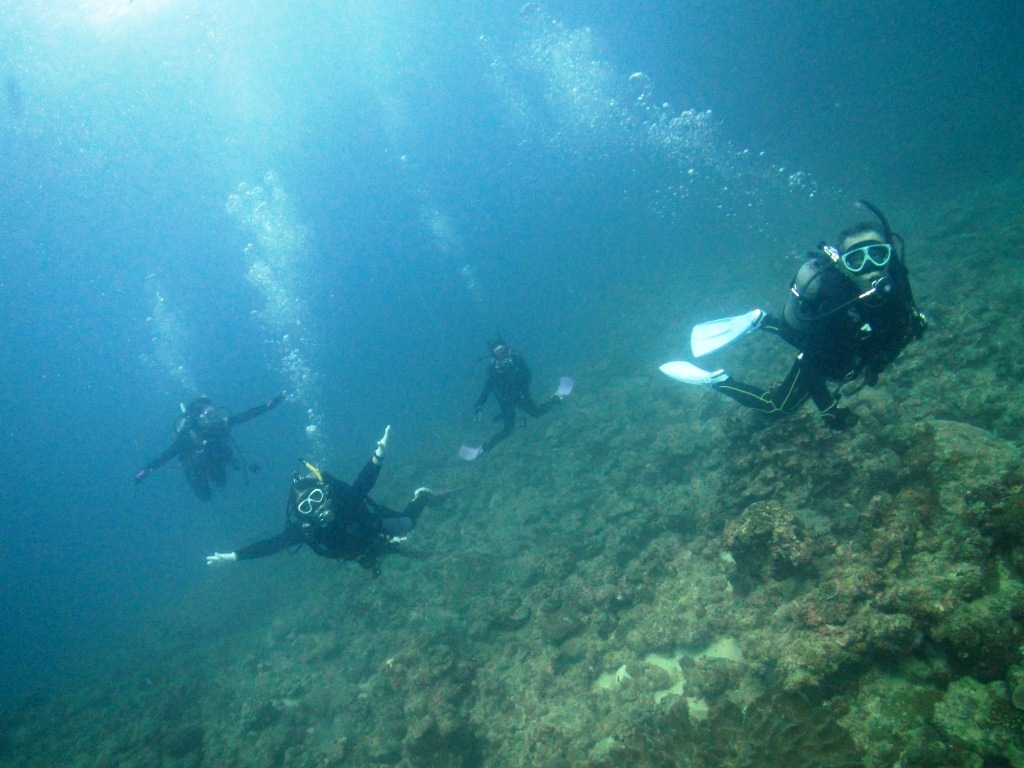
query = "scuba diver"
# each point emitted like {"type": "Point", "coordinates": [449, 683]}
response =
{"type": "Point", "coordinates": [508, 379]}
{"type": "Point", "coordinates": [203, 444]}
{"type": "Point", "coordinates": [850, 313]}
{"type": "Point", "coordinates": [338, 520]}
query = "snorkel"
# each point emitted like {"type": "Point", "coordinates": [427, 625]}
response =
{"type": "Point", "coordinates": [892, 238]}
{"type": "Point", "coordinates": [886, 229]}
{"type": "Point", "coordinates": [312, 468]}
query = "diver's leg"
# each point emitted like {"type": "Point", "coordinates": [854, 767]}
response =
{"type": "Point", "coordinates": [397, 525]}
{"type": "Point", "coordinates": [793, 391]}
{"type": "Point", "coordinates": [528, 406]}
{"type": "Point", "coordinates": [421, 497]}
{"type": "Point", "coordinates": [218, 474]}
{"type": "Point", "coordinates": [816, 384]}
{"type": "Point", "coordinates": [780, 400]}
{"type": "Point", "coordinates": [779, 327]}
{"type": "Point", "coordinates": [198, 481]}
{"type": "Point", "coordinates": [535, 410]}
{"type": "Point", "coordinates": [508, 418]}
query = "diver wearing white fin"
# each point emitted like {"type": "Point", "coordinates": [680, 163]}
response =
{"type": "Point", "coordinates": [509, 379]}
{"type": "Point", "coordinates": [850, 313]}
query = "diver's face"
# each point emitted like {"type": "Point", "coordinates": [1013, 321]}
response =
{"type": "Point", "coordinates": [869, 274]}
{"type": "Point", "coordinates": [866, 280]}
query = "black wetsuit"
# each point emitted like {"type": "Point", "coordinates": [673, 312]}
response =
{"type": "Point", "coordinates": [840, 337]}
{"type": "Point", "coordinates": [509, 381]}
{"type": "Point", "coordinates": [204, 447]}
{"type": "Point", "coordinates": [358, 528]}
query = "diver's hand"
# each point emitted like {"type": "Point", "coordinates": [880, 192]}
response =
{"type": "Point", "coordinates": [919, 324]}
{"type": "Point", "coordinates": [219, 558]}
{"type": "Point", "coordinates": [382, 444]}
{"type": "Point", "coordinates": [141, 475]}
{"type": "Point", "coordinates": [839, 419]}
{"type": "Point", "coordinates": [275, 401]}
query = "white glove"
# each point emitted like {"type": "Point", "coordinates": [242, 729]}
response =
{"type": "Point", "coordinates": [382, 444]}
{"type": "Point", "coordinates": [219, 558]}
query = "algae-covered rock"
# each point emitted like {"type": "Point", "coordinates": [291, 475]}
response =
{"type": "Point", "coordinates": [982, 718]}
{"type": "Point", "coordinates": [986, 633]}
{"type": "Point", "coordinates": [975, 456]}
{"type": "Point", "coordinates": [767, 541]}
{"type": "Point", "coordinates": [968, 467]}
{"type": "Point", "coordinates": [889, 716]}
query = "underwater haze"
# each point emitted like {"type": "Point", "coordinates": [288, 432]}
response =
{"type": "Point", "coordinates": [345, 201]}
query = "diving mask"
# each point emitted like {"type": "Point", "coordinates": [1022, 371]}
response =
{"type": "Point", "coordinates": [314, 508]}
{"type": "Point", "coordinates": [861, 258]}
{"type": "Point", "coordinates": [502, 356]}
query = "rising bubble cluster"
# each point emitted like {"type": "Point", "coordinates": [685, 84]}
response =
{"type": "Point", "coordinates": [593, 113]}
{"type": "Point", "coordinates": [274, 259]}
{"type": "Point", "coordinates": [170, 341]}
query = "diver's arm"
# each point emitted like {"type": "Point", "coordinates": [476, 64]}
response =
{"type": "Point", "coordinates": [369, 474]}
{"type": "Point", "coordinates": [176, 448]}
{"type": "Point", "coordinates": [367, 478]}
{"type": "Point", "coordinates": [289, 537]}
{"type": "Point", "coordinates": [255, 411]}
{"type": "Point", "coordinates": [486, 392]}
{"type": "Point", "coordinates": [917, 323]}
{"type": "Point", "coordinates": [166, 456]}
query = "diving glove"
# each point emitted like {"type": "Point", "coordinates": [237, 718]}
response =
{"type": "Point", "coordinates": [382, 444]}
{"type": "Point", "coordinates": [920, 324]}
{"type": "Point", "coordinates": [219, 558]}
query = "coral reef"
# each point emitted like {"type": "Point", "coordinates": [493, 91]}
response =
{"type": "Point", "coordinates": [869, 586]}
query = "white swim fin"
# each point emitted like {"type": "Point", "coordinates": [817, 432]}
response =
{"type": "Point", "coordinates": [470, 452]}
{"type": "Point", "coordinates": [688, 373]}
{"type": "Point", "coordinates": [715, 334]}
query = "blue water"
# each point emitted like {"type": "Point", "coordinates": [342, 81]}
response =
{"type": "Point", "coordinates": [344, 200]}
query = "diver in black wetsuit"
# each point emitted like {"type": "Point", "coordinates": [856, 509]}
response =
{"type": "Point", "coordinates": [203, 444]}
{"type": "Point", "coordinates": [508, 379]}
{"type": "Point", "coordinates": [850, 313]}
{"type": "Point", "coordinates": [338, 520]}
